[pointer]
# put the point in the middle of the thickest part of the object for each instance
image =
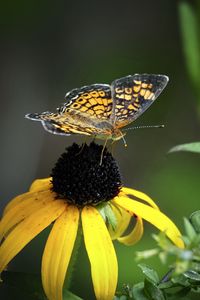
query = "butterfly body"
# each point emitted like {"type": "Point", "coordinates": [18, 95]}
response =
{"type": "Point", "coordinates": [102, 109]}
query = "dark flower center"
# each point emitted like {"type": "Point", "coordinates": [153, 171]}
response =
{"type": "Point", "coordinates": [79, 177]}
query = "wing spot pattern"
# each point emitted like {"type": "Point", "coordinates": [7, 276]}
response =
{"type": "Point", "coordinates": [98, 107]}
{"type": "Point", "coordinates": [131, 107]}
{"type": "Point", "coordinates": [128, 90]}
{"type": "Point", "coordinates": [76, 105]}
{"type": "Point", "coordinates": [102, 93]}
{"type": "Point", "coordinates": [86, 95]}
{"type": "Point", "coordinates": [119, 90]}
{"type": "Point", "coordinates": [137, 88]}
{"type": "Point", "coordinates": [128, 97]}
{"type": "Point", "coordinates": [94, 94]}
{"type": "Point", "coordinates": [92, 101]}
{"type": "Point", "coordinates": [142, 92]}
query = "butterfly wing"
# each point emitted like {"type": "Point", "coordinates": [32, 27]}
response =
{"type": "Point", "coordinates": [86, 111]}
{"type": "Point", "coordinates": [94, 101]}
{"type": "Point", "coordinates": [133, 94]}
{"type": "Point", "coordinates": [71, 123]}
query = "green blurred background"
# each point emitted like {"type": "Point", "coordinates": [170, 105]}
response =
{"type": "Point", "coordinates": [51, 47]}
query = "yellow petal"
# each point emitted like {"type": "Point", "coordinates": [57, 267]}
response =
{"type": "Point", "coordinates": [27, 204]}
{"type": "Point", "coordinates": [26, 230]}
{"type": "Point", "coordinates": [139, 195]}
{"type": "Point", "coordinates": [57, 253]}
{"type": "Point", "coordinates": [153, 216]}
{"type": "Point", "coordinates": [15, 201]}
{"type": "Point", "coordinates": [40, 184]}
{"type": "Point", "coordinates": [37, 185]}
{"type": "Point", "coordinates": [122, 218]}
{"type": "Point", "coordinates": [135, 235]}
{"type": "Point", "coordinates": [101, 254]}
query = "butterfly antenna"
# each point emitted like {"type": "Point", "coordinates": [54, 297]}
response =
{"type": "Point", "coordinates": [125, 143]}
{"type": "Point", "coordinates": [144, 127]}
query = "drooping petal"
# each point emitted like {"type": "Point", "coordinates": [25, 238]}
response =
{"type": "Point", "coordinates": [135, 235]}
{"type": "Point", "coordinates": [40, 184]}
{"type": "Point", "coordinates": [153, 216]}
{"type": "Point", "coordinates": [101, 254]}
{"type": "Point", "coordinates": [26, 230]}
{"type": "Point", "coordinates": [36, 186]}
{"type": "Point", "coordinates": [122, 218]}
{"type": "Point", "coordinates": [57, 253]}
{"type": "Point", "coordinates": [139, 195]}
{"type": "Point", "coordinates": [23, 208]}
{"type": "Point", "coordinates": [17, 200]}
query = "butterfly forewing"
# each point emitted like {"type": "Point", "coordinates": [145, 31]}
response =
{"type": "Point", "coordinates": [133, 94]}
{"type": "Point", "coordinates": [93, 100]}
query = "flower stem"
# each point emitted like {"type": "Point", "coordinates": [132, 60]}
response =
{"type": "Point", "coordinates": [73, 259]}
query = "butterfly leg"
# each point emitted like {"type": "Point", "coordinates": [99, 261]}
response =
{"type": "Point", "coordinates": [94, 138]}
{"type": "Point", "coordinates": [82, 147]}
{"type": "Point", "coordinates": [104, 146]}
{"type": "Point", "coordinates": [113, 147]}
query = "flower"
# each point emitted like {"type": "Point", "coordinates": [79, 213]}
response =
{"type": "Point", "coordinates": [80, 190]}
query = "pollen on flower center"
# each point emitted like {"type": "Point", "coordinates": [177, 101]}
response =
{"type": "Point", "coordinates": [79, 177]}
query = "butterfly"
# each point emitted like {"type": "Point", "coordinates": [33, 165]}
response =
{"type": "Point", "coordinates": [103, 110]}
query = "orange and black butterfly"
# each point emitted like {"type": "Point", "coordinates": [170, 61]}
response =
{"type": "Point", "coordinates": [102, 109]}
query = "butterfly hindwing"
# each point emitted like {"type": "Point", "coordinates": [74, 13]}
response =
{"type": "Point", "coordinates": [71, 123]}
{"type": "Point", "coordinates": [133, 94]}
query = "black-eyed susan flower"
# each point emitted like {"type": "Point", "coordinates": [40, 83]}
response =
{"type": "Point", "coordinates": [81, 192]}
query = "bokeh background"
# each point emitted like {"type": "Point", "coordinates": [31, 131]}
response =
{"type": "Point", "coordinates": [51, 47]}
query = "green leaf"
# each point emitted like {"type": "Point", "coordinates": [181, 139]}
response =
{"type": "Point", "coordinates": [186, 240]}
{"type": "Point", "coordinates": [138, 292]}
{"type": "Point", "coordinates": [190, 147]}
{"type": "Point", "coordinates": [195, 220]}
{"type": "Point", "coordinates": [67, 295]}
{"type": "Point", "coordinates": [190, 231]}
{"type": "Point", "coordinates": [189, 32]}
{"type": "Point", "coordinates": [181, 293]}
{"type": "Point", "coordinates": [192, 275]}
{"type": "Point", "coordinates": [163, 257]}
{"type": "Point", "coordinates": [162, 240]}
{"type": "Point", "coordinates": [149, 273]}
{"type": "Point", "coordinates": [101, 210]}
{"type": "Point", "coordinates": [123, 297]}
{"type": "Point", "coordinates": [166, 285]}
{"type": "Point", "coordinates": [146, 253]}
{"type": "Point", "coordinates": [181, 280]}
{"type": "Point", "coordinates": [196, 289]}
{"type": "Point", "coordinates": [108, 214]}
{"type": "Point", "coordinates": [196, 242]}
{"type": "Point", "coordinates": [152, 291]}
